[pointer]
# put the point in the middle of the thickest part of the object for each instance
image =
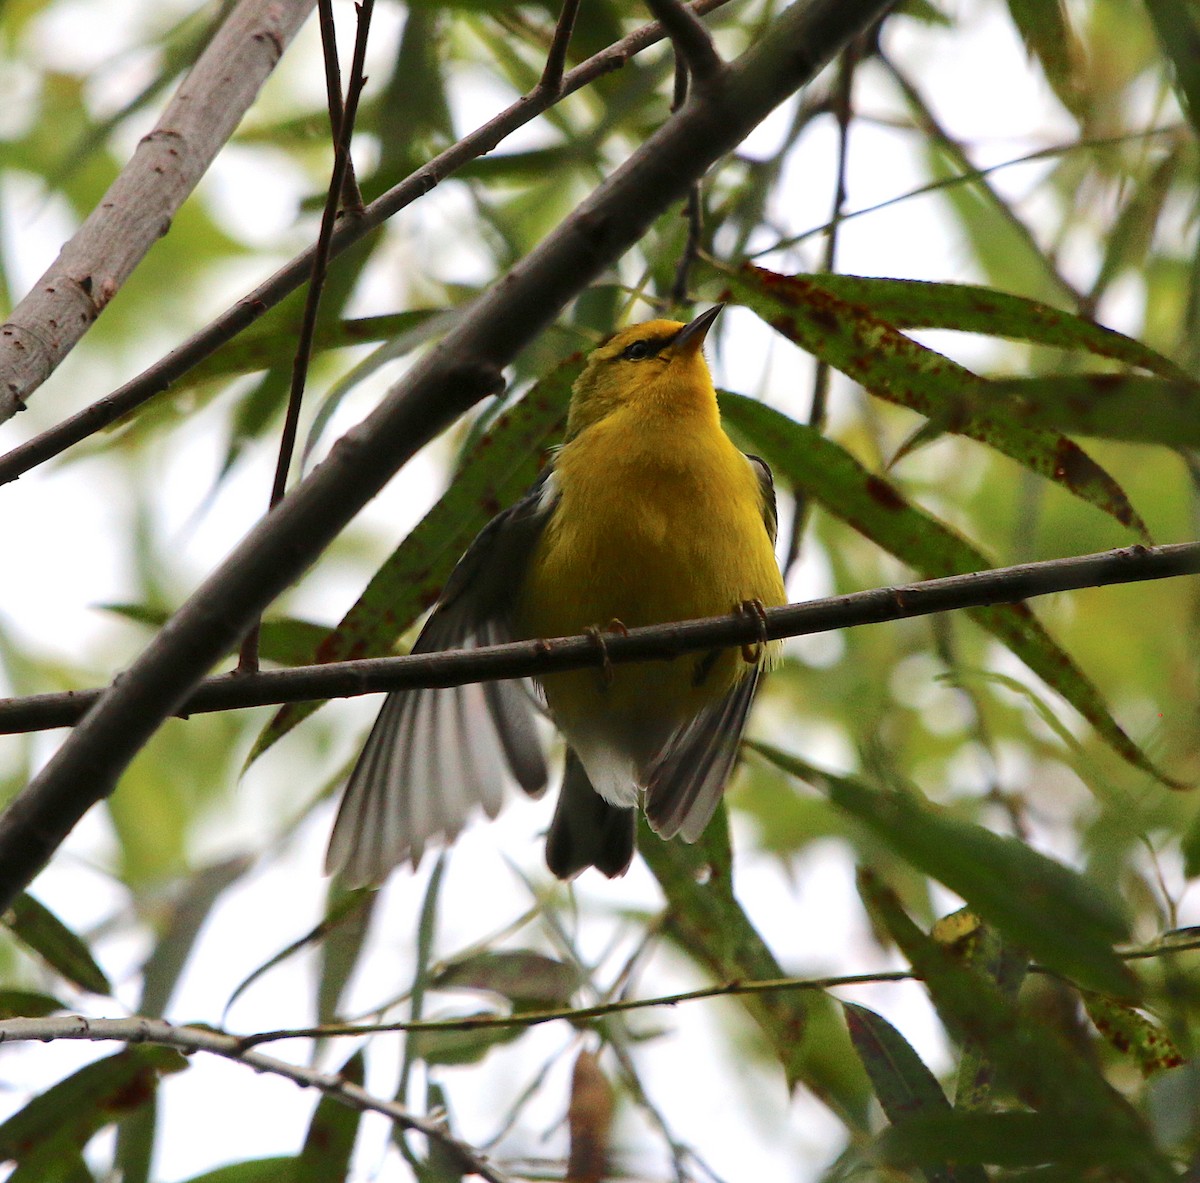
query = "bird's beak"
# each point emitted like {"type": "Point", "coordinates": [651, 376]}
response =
{"type": "Point", "coordinates": [691, 336]}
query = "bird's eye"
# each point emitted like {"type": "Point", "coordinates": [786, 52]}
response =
{"type": "Point", "coordinates": [638, 351]}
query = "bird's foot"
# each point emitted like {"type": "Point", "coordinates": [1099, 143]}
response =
{"type": "Point", "coordinates": [752, 654]}
{"type": "Point", "coordinates": [597, 635]}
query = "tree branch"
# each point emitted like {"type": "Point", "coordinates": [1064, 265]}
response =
{"type": "Point", "coordinates": [440, 386]}
{"type": "Point", "coordinates": [138, 208]}
{"type": "Point", "coordinates": [170, 368]}
{"type": "Point", "coordinates": [691, 41]}
{"type": "Point", "coordinates": [205, 1039]}
{"type": "Point", "coordinates": [661, 642]}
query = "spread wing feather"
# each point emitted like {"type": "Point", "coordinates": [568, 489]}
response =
{"type": "Point", "coordinates": [435, 754]}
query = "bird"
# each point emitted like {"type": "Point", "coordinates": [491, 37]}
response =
{"type": "Point", "coordinates": [647, 513]}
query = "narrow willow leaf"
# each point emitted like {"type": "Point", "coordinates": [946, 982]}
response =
{"type": "Point", "coordinates": [1007, 1140]}
{"type": "Point", "coordinates": [1132, 408]}
{"type": "Point", "coordinates": [281, 1169]}
{"type": "Point", "coordinates": [1177, 25]}
{"type": "Point", "coordinates": [1033, 1060]}
{"type": "Point", "coordinates": [35, 925]}
{"type": "Point", "coordinates": [970, 308]}
{"type": "Point", "coordinates": [1038, 904]}
{"type": "Point", "coordinates": [185, 917]}
{"type": "Point", "coordinates": [342, 910]}
{"type": "Point", "coordinates": [460, 1046]}
{"type": "Point", "coordinates": [706, 922]}
{"type": "Point", "coordinates": [341, 945]}
{"type": "Point", "coordinates": [68, 1113]}
{"type": "Point", "coordinates": [28, 1004]}
{"type": "Point", "coordinates": [520, 975]}
{"type": "Point", "coordinates": [878, 510]}
{"type": "Point", "coordinates": [893, 366]}
{"type": "Point", "coordinates": [1133, 1033]}
{"type": "Point", "coordinates": [1046, 30]}
{"type": "Point", "coordinates": [589, 1120]}
{"type": "Point", "coordinates": [904, 1085]}
{"type": "Point", "coordinates": [284, 640]}
{"type": "Point", "coordinates": [329, 1143]}
{"type": "Point", "coordinates": [493, 474]}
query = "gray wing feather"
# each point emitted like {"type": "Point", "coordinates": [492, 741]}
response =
{"type": "Point", "coordinates": [766, 485]}
{"type": "Point", "coordinates": [687, 780]}
{"type": "Point", "coordinates": [433, 755]}
{"type": "Point", "coordinates": [689, 777]}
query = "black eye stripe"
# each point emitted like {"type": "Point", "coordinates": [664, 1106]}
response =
{"type": "Point", "coordinates": [645, 347]}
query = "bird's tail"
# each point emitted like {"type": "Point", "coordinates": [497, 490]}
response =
{"type": "Point", "coordinates": [587, 831]}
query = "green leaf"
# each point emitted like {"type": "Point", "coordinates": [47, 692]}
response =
{"type": "Point", "coordinates": [1053, 912]}
{"type": "Point", "coordinates": [1132, 408]}
{"type": "Point", "coordinates": [1008, 1140]}
{"type": "Point", "coordinates": [494, 473]}
{"type": "Point", "coordinates": [36, 926]}
{"type": "Point", "coordinates": [341, 945]}
{"type": "Point", "coordinates": [284, 640]}
{"type": "Point", "coordinates": [184, 919]}
{"type": "Point", "coordinates": [1133, 1033]}
{"type": "Point", "coordinates": [1177, 26]}
{"type": "Point", "coordinates": [271, 342]}
{"type": "Point", "coordinates": [893, 366]}
{"type": "Point", "coordinates": [463, 1045]}
{"type": "Point", "coordinates": [970, 308]}
{"type": "Point", "coordinates": [28, 1004]}
{"type": "Point", "coordinates": [1034, 1060]}
{"type": "Point", "coordinates": [343, 908]}
{"type": "Point", "coordinates": [904, 1085]}
{"type": "Point", "coordinates": [520, 975]}
{"type": "Point", "coordinates": [878, 510]}
{"type": "Point", "coordinates": [329, 1143]}
{"type": "Point", "coordinates": [281, 1169]}
{"type": "Point", "coordinates": [1047, 33]}
{"type": "Point", "coordinates": [706, 923]}
{"type": "Point", "coordinates": [66, 1115]}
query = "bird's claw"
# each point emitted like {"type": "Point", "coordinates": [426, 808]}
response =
{"type": "Point", "coordinates": [752, 654]}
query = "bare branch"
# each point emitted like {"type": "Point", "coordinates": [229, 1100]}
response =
{"type": "Point", "coordinates": [138, 208]}
{"type": "Point", "coordinates": [449, 379]}
{"type": "Point", "coordinates": [204, 1039]}
{"type": "Point", "coordinates": [344, 120]}
{"type": "Point", "coordinates": [288, 278]}
{"type": "Point", "coordinates": [660, 642]}
{"type": "Point", "coordinates": [691, 40]}
{"type": "Point", "coordinates": [556, 59]}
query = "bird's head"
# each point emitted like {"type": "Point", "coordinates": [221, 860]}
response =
{"type": "Point", "coordinates": [657, 360]}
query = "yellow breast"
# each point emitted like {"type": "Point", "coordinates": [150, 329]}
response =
{"type": "Point", "coordinates": [660, 518]}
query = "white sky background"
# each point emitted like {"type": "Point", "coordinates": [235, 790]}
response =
{"type": "Point", "coordinates": [64, 530]}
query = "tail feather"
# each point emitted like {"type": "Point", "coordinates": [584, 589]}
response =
{"type": "Point", "coordinates": [587, 831]}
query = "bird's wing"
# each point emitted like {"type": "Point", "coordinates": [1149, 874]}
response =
{"type": "Point", "coordinates": [766, 486]}
{"type": "Point", "coordinates": [690, 775]}
{"type": "Point", "coordinates": [434, 754]}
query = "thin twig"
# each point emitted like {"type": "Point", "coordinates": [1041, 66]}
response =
{"type": "Point", "coordinates": [170, 368]}
{"type": "Point", "coordinates": [693, 210]}
{"type": "Point", "coordinates": [661, 642]}
{"type": "Point", "coordinates": [204, 1039]}
{"type": "Point", "coordinates": [351, 194]}
{"type": "Point", "coordinates": [691, 40]}
{"type": "Point", "coordinates": [248, 656]}
{"type": "Point", "coordinates": [556, 60]}
{"type": "Point", "coordinates": [571, 1014]}
{"type": "Point", "coordinates": [843, 113]}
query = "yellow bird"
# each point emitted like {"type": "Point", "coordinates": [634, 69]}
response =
{"type": "Point", "coordinates": [648, 514]}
